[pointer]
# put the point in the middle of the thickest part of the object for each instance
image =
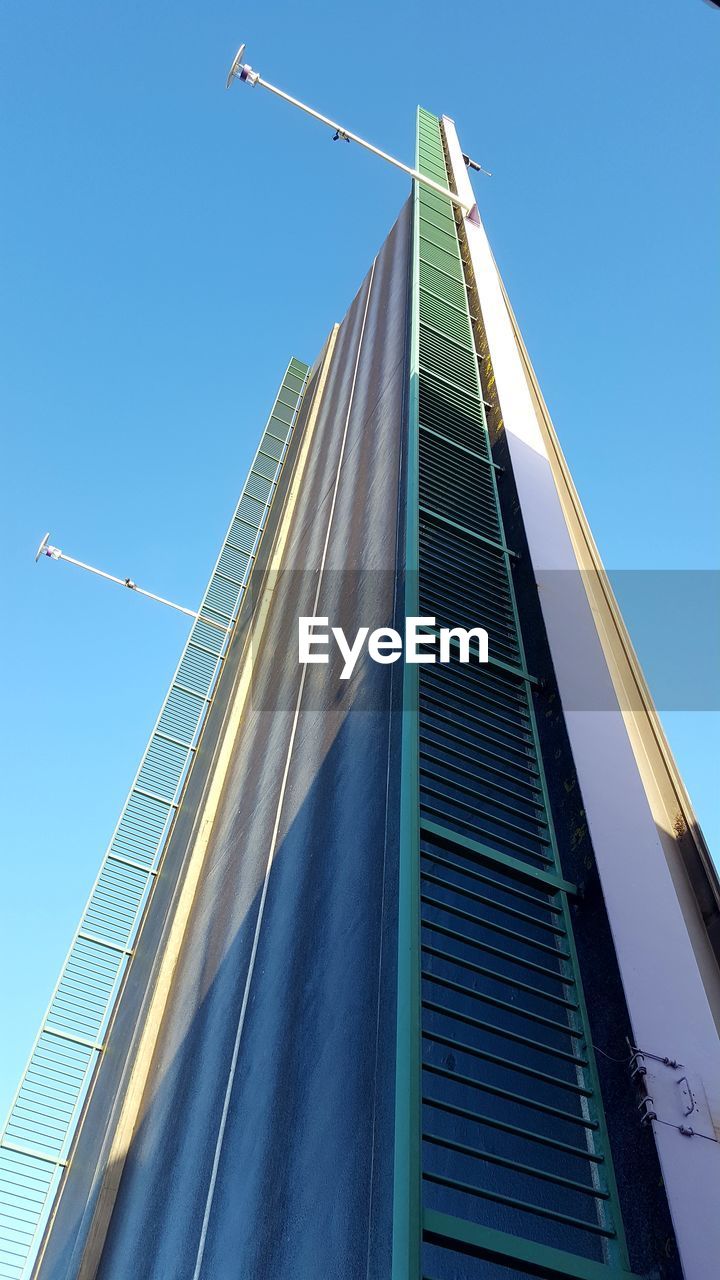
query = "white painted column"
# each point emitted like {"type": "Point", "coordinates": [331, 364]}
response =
{"type": "Point", "coordinates": [666, 999]}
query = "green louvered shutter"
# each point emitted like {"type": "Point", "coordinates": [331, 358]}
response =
{"type": "Point", "coordinates": [503, 1166]}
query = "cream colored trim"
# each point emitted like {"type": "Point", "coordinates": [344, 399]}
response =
{"type": "Point", "coordinates": [688, 857]}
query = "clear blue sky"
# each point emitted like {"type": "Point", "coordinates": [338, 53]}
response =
{"type": "Point", "coordinates": [166, 246]}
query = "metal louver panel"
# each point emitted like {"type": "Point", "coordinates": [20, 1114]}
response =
{"type": "Point", "coordinates": [503, 1166]}
{"type": "Point", "coordinates": [42, 1120]}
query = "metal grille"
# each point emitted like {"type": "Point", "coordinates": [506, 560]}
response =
{"type": "Point", "coordinates": [512, 1150]}
{"type": "Point", "coordinates": [42, 1120]}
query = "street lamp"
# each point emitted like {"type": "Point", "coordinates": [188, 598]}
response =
{"type": "Point", "coordinates": [54, 553]}
{"type": "Point", "coordinates": [242, 71]}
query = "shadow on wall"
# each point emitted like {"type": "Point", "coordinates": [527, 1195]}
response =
{"type": "Point", "coordinates": [304, 1176]}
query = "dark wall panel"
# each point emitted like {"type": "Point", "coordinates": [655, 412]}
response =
{"type": "Point", "coordinates": [300, 1183]}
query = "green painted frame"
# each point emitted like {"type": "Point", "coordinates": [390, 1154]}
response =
{"type": "Point", "coordinates": [412, 1224]}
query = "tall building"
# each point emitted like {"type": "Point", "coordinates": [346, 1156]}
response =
{"type": "Point", "coordinates": [415, 973]}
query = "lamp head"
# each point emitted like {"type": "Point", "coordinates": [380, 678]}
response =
{"type": "Point", "coordinates": [236, 67]}
{"type": "Point", "coordinates": [45, 549]}
{"type": "Point", "coordinates": [241, 70]}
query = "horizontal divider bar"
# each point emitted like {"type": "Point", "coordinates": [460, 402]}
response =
{"type": "Point", "coordinates": [481, 945]}
{"type": "Point", "coordinates": [469, 784]}
{"type": "Point", "coordinates": [487, 462]}
{"type": "Point", "coordinates": [499, 1091]}
{"type": "Point", "coordinates": [103, 942]}
{"type": "Point", "coordinates": [470, 533]}
{"type": "Point", "coordinates": [494, 974]}
{"type": "Point", "coordinates": [203, 648]}
{"type": "Point", "coordinates": [491, 662]}
{"type": "Point", "coordinates": [81, 1040]}
{"type": "Point", "coordinates": [479, 807]}
{"type": "Point", "coordinates": [503, 1033]}
{"type": "Point", "coordinates": [551, 879]}
{"type": "Point", "coordinates": [430, 876]}
{"type": "Point", "coordinates": [5, 1145]}
{"type": "Point", "coordinates": [483, 923]}
{"type": "Point", "coordinates": [439, 213]}
{"type": "Point", "coordinates": [481, 874]}
{"type": "Point", "coordinates": [177, 742]}
{"type": "Point", "coordinates": [448, 337]}
{"type": "Point", "coordinates": [234, 582]}
{"type": "Point", "coordinates": [448, 274]}
{"type": "Point", "coordinates": [492, 1122]}
{"type": "Point", "coordinates": [194, 693]}
{"type": "Point", "coordinates": [524, 1206]}
{"type": "Point", "coordinates": [500, 1246]}
{"type": "Point", "coordinates": [562, 1028]}
{"type": "Point", "coordinates": [130, 862]}
{"type": "Point", "coordinates": [153, 795]}
{"type": "Point", "coordinates": [463, 399]}
{"type": "Point", "coordinates": [528, 1170]}
{"type": "Point", "coordinates": [434, 723]}
{"type": "Point", "coordinates": [478, 820]}
{"type": "Point", "coordinates": [434, 708]}
{"type": "Point", "coordinates": [430, 293]}
{"type": "Point", "coordinates": [482, 786]}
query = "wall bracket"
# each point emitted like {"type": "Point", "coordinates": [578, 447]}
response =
{"type": "Point", "coordinates": [671, 1094]}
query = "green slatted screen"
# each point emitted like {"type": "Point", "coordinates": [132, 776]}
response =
{"type": "Point", "coordinates": [35, 1142]}
{"type": "Point", "coordinates": [513, 1162]}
